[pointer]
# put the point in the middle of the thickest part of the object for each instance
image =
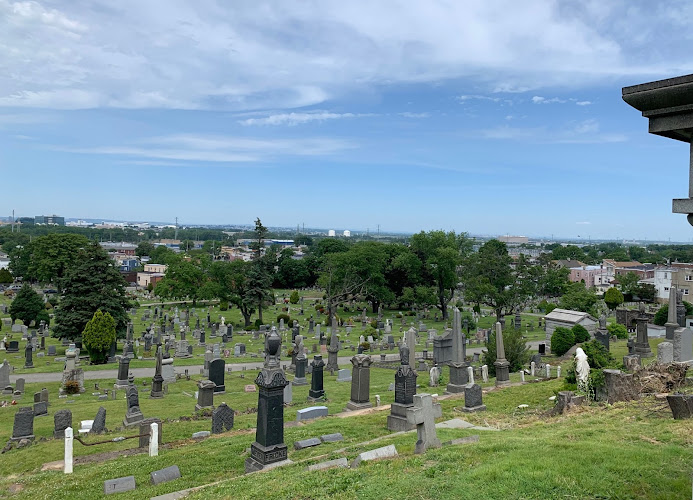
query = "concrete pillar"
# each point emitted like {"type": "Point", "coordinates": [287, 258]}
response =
{"type": "Point", "coordinates": [69, 438]}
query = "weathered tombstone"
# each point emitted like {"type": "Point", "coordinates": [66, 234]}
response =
{"type": "Point", "coordinates": [216, 375]}
{"type": "Point", "coordinates": [5, 370]}
{"type": "Point", "coordinates": [360, 383]}
{"type": "Point", "coordinates": [222, 419]}
{"type": "Point", "coordinates": [19, 387]}
{"type": "Point", "coordinates": [205, 394]}
{"type": "Point", "coordinates": [410, 339]}
{"type": "Point", "coordinates": [288, 394]}
{"type": "Point", "coordinates": [62, 419]}
{"type": "Point", "coordinates": [28, 353]}
{"type": "Point", "coordinates": [269, 447]}
{"type": "Point", "coordinates": [301, 362]}
{"type": "Point", "coordinates": [133, 415]}
{"type": "Point", "coordinates": [317, 390]}
{"type": "Point", "coordinates": [672, 323]}
{"type": "Point", "coordinates": [458, 365]}
{"type": "Point", "coordinates": [40, 409]}
{"type": "Point", "coordinates": [683, 345]}
{"type": "Point", "coordinates": [99, 424]}
{"type": "Point", "coordinates": [51, 350]}
{"type": "Point", "coordinates": [13, 346]}
{"type": "Point", "coordinates": [167, 371]}
{"type": "Point", "coordinates": [123, 370]}
{"type": "Point", "coordinates": [23, 427]}
{"type": "Point", "coordinates": [333, 349]}
{"type": "Point", "coordinates": [157, 391]}
{"type": "Point", "coordinates": [665, 353]}
{"type": "Point", "coordinates": [642, 343]}
{"type": "Point", "coordinates": [681, 405]}
{"type": "Point", "coordinates": [501, 364]}
{"type": "Point", "coordinates": [164, 475]}
{"type": "Point", "coordinates": [422, 416]}
{"type": "Point", "coordinates": [405, 388]}
{"type": "Point", "coordinates": [631, 363]}
{"type": "Point", "coordinates": [119, 485]}
{"type": "Point", "coordinates": [344, 375]}
{"type": "Point", "coordinates": [473, 399]}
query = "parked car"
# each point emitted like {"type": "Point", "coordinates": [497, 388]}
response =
{"type": "Point", "coordinates": [50, 290]}
{"type": "Point", "coordinates": [15, 287]}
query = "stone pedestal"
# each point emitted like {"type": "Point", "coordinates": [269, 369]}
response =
{"type": "Point", "coordinates": [317, 389]}
{"type": "Point", "coordinates": [459, 378]}
{"type": "Point", "coordinates": [123, 370]}
{"type": "Point", "coordinates": [205, 395]}
{"type": "Point", "coordinates": [502, 372]}
{"type": "Point", "coordinates": [300, 378]}
{"type": "Point", "coordinates": [642, 342]}
{"type": "Point", "coordinates": [360, 383]}
{"type": "Point", "coordinates": [405, 388]}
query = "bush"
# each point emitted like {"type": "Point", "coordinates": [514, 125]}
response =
{"type": "Point", "coordinates": [258, 323]}
{"type": "Point", "coordinates": [660, 316]}
{"type": "Point", "coordinates": [285, 317]}
{"type": "Point", "coordinates": [470, 321]}
{"type": "Point", "coordinates": [516, 350]}
{"type": "Point", "coordinates": [98, 336]}
{"type": "Point", "coordinates": [5, 277]}
{"type": "Point", "coordinates": [580, 333]}
{"type": "Point", "coordinates": [365, 345]}
{"type": "Point", "coordinates": [562, 340]}
{"type": "Point", "coordinates": [374, 324]}
{"type": "Point", "coordinates": [49, 306]}
{"type": "Point", "coordinates": [71, 387]}
{"type": "Point", "coordinates": [223, 305]}
{"type": "Point", "coordinates": [597, 355]}
{"type": "Point", "coordinates": [617, 329]}
{"type": "Point", "coordinates": [43, 316]}
{"type": "Point", "coordinates": [294, 298]}
{"type": "Point", "coordinates": [549, 308]}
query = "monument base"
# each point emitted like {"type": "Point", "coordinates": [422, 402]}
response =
{"type": "Point", "coordinates": [132, 420]}
{"type": "Point", "coordinates": [353, 406]}
{"type": "Point", "coordinates": [264, 457]}
{"type": "Point", "coordinates": [120, 384]}
{"type": "Point", "coordinates": [300, 381]}
{"type": "Point", "coordinates": [502, 373]}
{"type": "Point", "coordinates": [473, 409]}
{"type": "Point", "coordinates": [454, 389]}
{"type": "Point", "coordinates": [397, 419]}
{"type": "Point", "coordinates": [643, 350]}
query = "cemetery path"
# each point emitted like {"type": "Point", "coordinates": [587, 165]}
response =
{"type": "Point", "coordinates": [193, 369]}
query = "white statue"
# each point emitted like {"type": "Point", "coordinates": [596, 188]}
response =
{"type": "Point", "coordinates": [223, 320]}
{"type": "Point", "coordinates": [582, 367]}
{"type": "Point", "coordinates": [435, 375]}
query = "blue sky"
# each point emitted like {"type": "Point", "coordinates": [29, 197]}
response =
{"type": "Point", "coordinates": [487, 117]}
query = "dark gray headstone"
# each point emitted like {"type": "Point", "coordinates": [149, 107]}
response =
{"type": "Point", "coordinates": [40, 409]}
{"type": "Point", "coordinates": [222, 419]}
{"type": "Point", "coordinates": [306, 443]}
{"type": "Point", "coordinates": [331, 438]}
{"type": "Point", "coordinates": [681, 405]}
{"type": "Point", "coordinates": [216, 374]}
{"type": "Point", "coordinates": [164, 475]}
{"type": "Point", "coordinates": [23, 424]}
{"type": "Point", "coordinates": [119, 485]}
{"type": "Point", "coordinates": [473, 396]}
{"type": "Point", "coordinates": [61, 421]}
{"type": "Point", "coordinates": [99, 425]}
{"type": "Point", "coordinates": [145, 431]}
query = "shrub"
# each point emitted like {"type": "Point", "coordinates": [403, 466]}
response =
{"type": "Point", "coordinates": [98, 336]}
{"type": "Point", "coordinates": [71, 387]}
{"type": "Point", "coordinates": [285, 317]}
{"type": "Point", "coordinates": [294, 298]}
{"type": "Point", "coordinates": [49, 306]}
{"type": "Point", "coordinates": [365, 345]}
{"type": "Point", "coordinates": [660, 316]}
{"type": "Point", "coordinates": [374, 324]}
{"type": "Point", "coordinates": [597, 354]}
{"type": "Point", "coordinates": [258, 323]}
{"type": "Point", "coordinates": [617, 329]}
{"type": "Point", "coordinates": [223, 305]}
{"type": "Point", "coordinates": [5, 277]}
{"type": "Point", "coordinates": [470, 321]}
{"type": "Point", "coordinates": [516, 350]}
{"type": "Point", "coordinates": [43, 316]}
{"type": "Point", "coordinates": [580, 333]}
{"type": "Point", "coordinates": [549, 308]}
{"type": "Point", "coordinates": [562, 340]}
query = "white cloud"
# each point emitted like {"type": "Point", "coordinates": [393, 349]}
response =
{"type": "Point", "coordinates": [583, 223]}
{"type": "Point", "coordinates": [408, 114]}
{"type": "Point", "coordinates": [543, 100]}
{"type": "Point", "coordinates": [281, 55]}
{"type": "Point", "coordinates": [300, 118]}
{"type": "Point", "coordinates": [583, 103]}
{"type": "Point", "coordinates": [216, 149]}
{"type": "Point", "coordinates": [584, 132]}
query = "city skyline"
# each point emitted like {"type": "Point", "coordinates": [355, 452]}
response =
{"type": "Point", "coordinates": [489, 119]}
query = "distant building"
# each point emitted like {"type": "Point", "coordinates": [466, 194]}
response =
{"type": "Point", "coordinates": [568, 319]}
{"type": "Point", "coordinates": [514, 240]}
{"type": "Point", "coordinates": [49, 220]}
{"type": "Point", "coordinates": [144, 278]}
{"type": "Point", "coordinates": [347, 233]}
{"type": "Point", "coordinates": [585, 274]}
{"type": "Point", "coordinates": [331, 232]}
{"type": "Point", "coordinates": [119, 247]}
{"type": "Point", "coordinates": [155, 268]}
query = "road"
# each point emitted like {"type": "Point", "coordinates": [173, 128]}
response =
{"type": "Point", "coordinates": [195, 369]}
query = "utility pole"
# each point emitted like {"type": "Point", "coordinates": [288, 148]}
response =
{"type": "Point", "coordinates": [378, 231]}
{"type": "Point", "coordinates": [175, 236]}
{"type": "Point", "coordinates": [13, 220]}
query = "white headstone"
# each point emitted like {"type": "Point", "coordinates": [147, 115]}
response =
{"type": "Point", "coordinates": [69, 438]}
{"type": "Point", "coordinates": [484, 373]}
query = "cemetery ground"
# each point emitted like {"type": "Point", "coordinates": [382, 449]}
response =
{"type": "Point", "coordinates": [619, 451]}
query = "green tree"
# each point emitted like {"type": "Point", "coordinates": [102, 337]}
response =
{"type": "Point", "coordinates": [161, 255]}
{"type": "Point", "coordinates": [259, 288]}
{"type": "Point", "coordinates": [92, 284]}
{"type": "Point", "coordinates": [619, 330]}
{"type": "Point", "coordinates": [144, 248]}
{"type": "Point", "coordinates": [26, 306]}
{"type": "Point", "coordinates": [580, 334]}
{"type": "Point", "coordinates": [48, 258]}
{"type": "Point", "coordinates": [613, 298]}
{"type": "Point", "coordinates": [5, 277]}
{"type": "Point", "coordinates": [568, 252]}
{"type": "Point", "coordinates": [294, 298]}
{"type": "Point", "coordinates": [260, 234]}
{"type": "Point", "coordinates": [662, 314]}
{"type": "Point", "coordinates": [230, 282]}
{"type": "Point", "coordinates": [645, 292]}
{"type": "Point", "coordinates": [441, 254]}
{"type": "Point", "coordinates": [628, 283]}
{"type": "Point", "coordinates": [562, 340]}
{"type": "Point", "coordinates": [516, 350]}
{"type": "Point", "coordinates": [186, 278]}
{"type": "Point", "coordinates": [98, 336]}
{"type": "Point", "coordinates": [579, 298]}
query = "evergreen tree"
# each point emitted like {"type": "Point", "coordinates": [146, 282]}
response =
{"type": "Point", "coordinates": [5, 277]}
{"type": "Point", "coordinates": [92, 284]}
{"type": "Point", "coordinates": [98, 336]}
{"type": "Point", "coordinates": [259, 288]}
{"type": "Point", "coordinates": [26, 305]}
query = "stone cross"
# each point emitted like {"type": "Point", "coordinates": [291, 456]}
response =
{"type": "Point", "coordinates": [423, 417]}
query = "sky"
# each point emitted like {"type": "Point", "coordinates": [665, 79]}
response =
{"type": "Point", "coordinates": [490, 117]}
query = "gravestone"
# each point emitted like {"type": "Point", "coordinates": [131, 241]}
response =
{"type": "Point", "coordinates": [216, 375]}
{"type": "Point", "coordinates": [473, 399]}
{"type": "Point", "coordinates": [268, 447]}
{"type": "Point", "coordinates": [40, 409]}
{"type": "Point", "coordinates": [665, 352]}
{"type": "Point", "coordinates": [5, 370]}
{"type": "Point", "coordinates": [405, 388]}
{"type": "Point", "coordinates": [23, 427]}
{"type": "Point", "coordinates": [360, 382]}
{"type": "Point", "coordinates": [642, 343]}
{"type": "Point", "coordinates": [99, 424]}
{"type": "Point", "coordinates": [288, 394]}
{"type": "Point", "coordinates": [19, 388]}
{"type": "Point", "coordinates": [344, 375]}
{"type": "Point", "coordinates": [301, 362]}
{"type": "Point", "coordinates": [28, 353]}
{"type": "Point", "coordinates": [205, 394]}
{"type": "Point", "coordinates": [422, 416]}
{"type": "Point", "coordinates": [62, 419]}
{"type": "Point", "coordinates": [683, 345]}
{"type": "Point", "coordinates": [501, 364]}
{"type": "Point", "coordinates": [123, 371]}
{"type": "Point", "coordinates": [13, 346]}
{"type": "Point", "coordinates": [133, 415]}
{"type": "Point", "coordinates": [333, 349]}
{"type": "Point", "coordinates": [167, 371]}
{"type": "Point", "coordinates": [317, 390]}
{"type": "Point", "coordinates": [222, 419]}
{"type": "Point", "coordinates": [458, 365]}
{"type": "Point", "coordinates": [119, 485]}
{"type": "Point", "coordinates": [157, 391]}
{"type": "Point", "coordinates": [311, 412]}
{"type": "Point", "coordinates": [164, 475]}
{"type": "Point", "coordinates": [51, 350]}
